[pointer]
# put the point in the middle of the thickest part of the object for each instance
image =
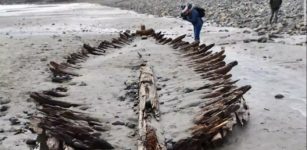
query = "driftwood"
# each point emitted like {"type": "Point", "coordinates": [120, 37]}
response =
{"type": "Point", "coordinates": [60, 70]}
{"type": "Point", "coordinates": [148, 103]}
{"type": "Point", "coordinates": [44, 99]}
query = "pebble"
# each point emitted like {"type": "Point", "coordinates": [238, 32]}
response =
{"type": "Point", "coordinates": [130, 125]}
{"type": "Point", "coordinates": [14, 121]}
{"type": "Point", "coordinates": [43, 59]}
{"type": "Point", "coordinates": [4, 108]}
{"type": "Point", "coordinates": [188, 90]}
{"type": "Point", "coordinates": [31, 142]}
{"type": "Point", "coordinates": [121, 98]}
{"type": "Point", "coordinates": [246, 31]}
{"type": "Point", "coordinates": [261, 33]}
{"type": "Point", "coordinates": [279, 96]}
{"type": "Point", "coordinates": [82, 84]}
{"type": "Point", "coordinates": [262, 40]}
{"type": "Point", "coordinates": [246, 41]}
{"type": "Point", "coordinates": [118, 123]}
{"type": "Point", "coordinates": [4, 100]}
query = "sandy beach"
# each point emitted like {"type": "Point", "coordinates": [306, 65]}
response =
{"type": "Point", "coordinates": [33, 35]}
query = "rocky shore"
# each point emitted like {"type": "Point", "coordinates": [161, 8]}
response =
{"type": "Point", "coordinates": [232, 13]}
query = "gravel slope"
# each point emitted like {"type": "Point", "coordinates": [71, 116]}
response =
{"type": "Point", "coordinates": [232, 13]}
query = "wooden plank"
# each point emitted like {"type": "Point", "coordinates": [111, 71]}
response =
{"type": "Point", "coordinates": [148, 102]}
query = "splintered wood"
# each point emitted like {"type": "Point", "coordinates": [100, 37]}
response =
{"type": "Point", "coordinates": [148, 105]}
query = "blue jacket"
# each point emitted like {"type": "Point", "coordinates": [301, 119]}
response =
{"type": "Point", "coordinates": [194, 18]}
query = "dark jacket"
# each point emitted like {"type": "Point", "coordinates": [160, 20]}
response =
{"type": "Point", "coordinates": [194, 17]}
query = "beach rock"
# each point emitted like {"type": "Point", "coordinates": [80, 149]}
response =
{"type": "Point", "coordinates": [279, 96]}
{"type": "Point", "coordinates": [14, 121]}
{"type": "Point", "coordinates": [31, 142]}
{"type": "Point", "coordinates": [43, 59]}
{"type": "Point", "coordinates": [130, 125]}
{"type": "Point", "coordinates": [261, 33]}
{"type": "Point", "coordinates": [4, 100]}
{"type": "Point", "coordinates": [246, 31]}
{"type": "Point", "coordinates": [262, 40]}
{"type": "Point", "coordinates": [82, 84]}
{"type": "Point", "coordinates": [121, 98]}
{"type": "Point", "coordinates": [246, 41]}
{"type": "Point", "coordinates": [4, 108]}
{"type": "Point", "coordinates": [188, 90]}
{"type": "Point", "coordinates": [116, 123]}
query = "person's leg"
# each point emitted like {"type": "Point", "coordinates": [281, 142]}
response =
{"type": "Point", "coordinates": [276, 16]}
{"type": "Point", "coordinates": [272, 15]}
{"type": "Point", "coordinates": [197, 30]}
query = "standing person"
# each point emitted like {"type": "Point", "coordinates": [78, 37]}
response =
{"type": "Point", "coordinates": [193, 15]}
{"type": "Point", "coordinates": [275, 6]}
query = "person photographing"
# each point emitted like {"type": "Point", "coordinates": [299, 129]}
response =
{"type": "Point", "coordinates": [193, 15]}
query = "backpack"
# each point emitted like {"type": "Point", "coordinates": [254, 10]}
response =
{"type": "Point", "coordinates": [201, 11]}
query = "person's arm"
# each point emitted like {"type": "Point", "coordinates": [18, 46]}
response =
{"type": "Point", "coordinates": [184, 17]}
{"type": "Point", "coordinates": [193, 17]}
